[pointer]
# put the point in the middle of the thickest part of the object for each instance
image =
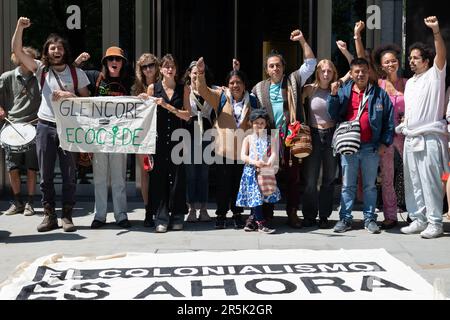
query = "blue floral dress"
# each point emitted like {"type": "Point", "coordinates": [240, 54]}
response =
{"type": "Point", "coordinates": [250, 195]}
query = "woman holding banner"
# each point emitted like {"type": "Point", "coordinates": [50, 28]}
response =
{"type": "Point", "coordinates": [167, 180]}
{"type": "Point", "coordinates": [112, 81]}
{"type": "Point", "coordinates": [147, 73]}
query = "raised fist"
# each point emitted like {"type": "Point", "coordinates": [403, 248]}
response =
{"type": "Point", "coordinates": [359, 26]}
{"type": "Point", "coordinates": [296, 35]}
{"type": "Point", "coordinates": [2, 113]}
{"type": "Point", "coordinates": [341, 45]}
{"type": "Point", "coordinates": [83, 57]}
{"type": "Point", "coordinates": [236, 65]}
{"type": "Point", "coordinates": [24, 22]}
{"type": "Point", "coordinates": [335, 88]}
{"type": "Point", "coordinates": [432, 23]}
{"type": "Point", "coordinates": [200, 65]}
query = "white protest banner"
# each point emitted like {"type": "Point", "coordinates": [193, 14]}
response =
{"type": "Point", "coordinates": [238, 275]}
{"type": "Point", "coordinates": [106, 124]}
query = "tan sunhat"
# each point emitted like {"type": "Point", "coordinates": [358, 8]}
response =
{"type": "Point", "coordinates": [114, 52]}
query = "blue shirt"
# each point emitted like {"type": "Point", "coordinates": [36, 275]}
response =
{"type": "Point", "coordinates": [276, 99]}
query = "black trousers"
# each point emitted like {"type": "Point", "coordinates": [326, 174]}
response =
{"type": "Point", "coordinates": [228, 178]}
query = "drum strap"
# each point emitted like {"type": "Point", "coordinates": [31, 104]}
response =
{"type": "Point", "coordinates": [25, 87]}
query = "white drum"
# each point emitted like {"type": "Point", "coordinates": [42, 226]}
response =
{"type": "Point", "coordinates": [11, 141]}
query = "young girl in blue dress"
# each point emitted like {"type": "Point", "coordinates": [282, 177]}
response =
{"type": "Point", "coordinates": [259, 154]}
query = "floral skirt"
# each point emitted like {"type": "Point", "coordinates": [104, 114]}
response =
{"type": "Point", "coordinates": [250, 195]}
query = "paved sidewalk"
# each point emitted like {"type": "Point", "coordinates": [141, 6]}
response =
{"type": "Point", "coordinates": [20, 242]}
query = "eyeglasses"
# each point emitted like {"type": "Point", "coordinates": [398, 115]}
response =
{"type": "Point", "coordinates": [114, 58]}
{"type": "Point", "coordinates": [148, 66]}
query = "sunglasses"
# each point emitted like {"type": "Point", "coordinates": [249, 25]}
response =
{"type": "Point", "coordinates": [114, 59]}
{"type": "Point", "coordinates": [149, 66]}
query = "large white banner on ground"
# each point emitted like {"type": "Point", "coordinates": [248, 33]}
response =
{"type": "Point", "coordinates": [106, 124]}
{"type": "Point", "coordinates": [249, 275]}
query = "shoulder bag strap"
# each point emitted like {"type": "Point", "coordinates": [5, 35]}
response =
{"type": "Point", "coordinates": [58, 80]}
{"type": "Point", "coordinates": [291, 100]}
{"type": "Point", "coordinates": [199, 115]}
{"type": "Point", "coordinates": [362, 106]}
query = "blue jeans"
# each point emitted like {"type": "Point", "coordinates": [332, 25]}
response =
{"type": "Point", "coordinates": [197, 183]}
{"type": "Point", "coordinates": [367, 159]}
{"type": "Point", "coordinates": [322, 156]}
{"type": "Point", "coordinates": [197, 174]}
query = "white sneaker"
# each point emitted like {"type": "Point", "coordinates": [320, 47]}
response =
{"type": "Point", "coordinates": [192, 216]}
{"type": "Point", "coordinates": [204, 216]}
{"type": "Point", "coordinates": [29, 211]}
{"type": "Point", "coordinates": [415, 227]}
{"type": "Point", "coordinates": [432, 231]}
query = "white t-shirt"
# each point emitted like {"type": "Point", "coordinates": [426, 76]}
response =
{"type": "Point", "coordinates": [51, 84]}
{"type": "Point", "coordinates": [424, 98]}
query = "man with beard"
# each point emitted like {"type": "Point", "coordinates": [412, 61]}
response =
{"type": "Point", "coordinates": [274, 95]}
{"type": "Point", "coordinates": [57, 81]}
{"type": "Point", "coordinates": [426, 143]}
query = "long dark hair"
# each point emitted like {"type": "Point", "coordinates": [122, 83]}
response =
{"type": "Point", "coordinates": [54, 39]}
{"type": "Point", "coordinates": [241, 75]}
{"type": "Point", "coordinates": [123, 71]}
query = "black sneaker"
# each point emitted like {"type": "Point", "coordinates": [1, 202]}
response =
{"type": "Point", "coordinates": [220, 222]}
{"type": "Point", "coordinates": [96, 224]}
{"type": "Point", "coordinates": [148, 221]}
{"type": "Point", "coordinates": [263, 228]}
{"type": "Point", "coordinates": [324, 223]}
{"type": "Point", "coordinates": [125, 223]}
{"type": "Point", "coordinates": [308, 223]}
{"type": "Point", "coordinates": [237, 221]}
{"type": "Point", "coordinates": [250, 226]}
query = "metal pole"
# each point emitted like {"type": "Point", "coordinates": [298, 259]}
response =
{"type": "Point", "coordinates": [235, 28]}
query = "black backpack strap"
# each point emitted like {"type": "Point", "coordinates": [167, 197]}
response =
{"type": "Point", "coordinates": [223, 101]}
{"type": "Point", "coordinates": [43, 75]}
{"type": "Point", "coordinates": [73, 72]}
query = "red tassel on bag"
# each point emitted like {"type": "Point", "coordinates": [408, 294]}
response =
{"type": "Point", "coordinates": [148, 163]}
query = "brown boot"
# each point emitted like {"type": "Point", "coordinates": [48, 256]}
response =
{"type": "Point", "coordinates": [66, 219]}
{"type": "Point", "coordinates": [50, 221]}
{"type": "Point", "coordinates": [293, 219]}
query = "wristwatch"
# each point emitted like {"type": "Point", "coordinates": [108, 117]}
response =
{"type": "Point", "coordinates": [357, 37]}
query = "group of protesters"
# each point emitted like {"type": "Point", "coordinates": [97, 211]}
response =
{"type": "Point", "coordinates": [395, 116]}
